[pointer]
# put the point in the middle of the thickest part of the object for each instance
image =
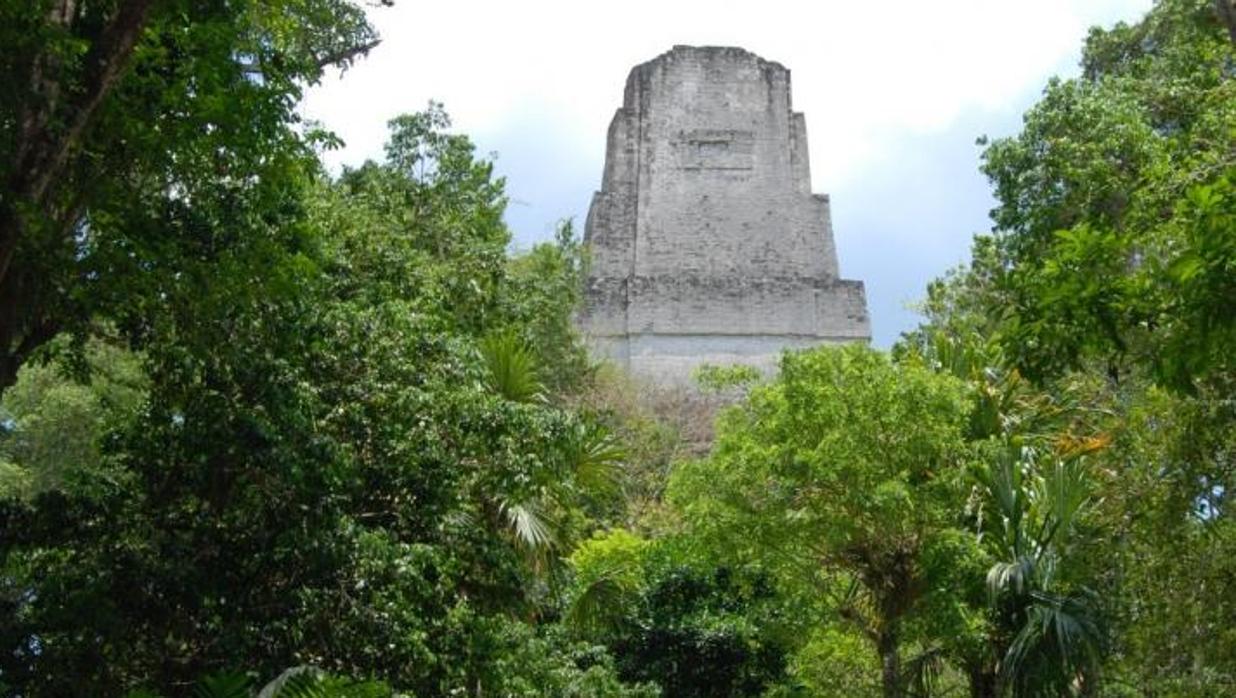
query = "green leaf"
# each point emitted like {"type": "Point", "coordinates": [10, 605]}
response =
{"type": "Point", "coordinates": [512, 370]}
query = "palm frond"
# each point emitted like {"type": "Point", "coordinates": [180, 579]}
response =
{"type": "Point", "coordinates": [1003, 479]}
{"type": "Point", "coordinates": [1016, 576]}
{"type": "Point", "coordinates": [311, 682]}
{"type": "Point", "coordinates": [460, 520]}
{"type": "Point", "coordinates": [1063, 495]}
{"type": "Point", "coordinates": [529, 525]}
{"type": "Point", "coordinates": [294, 682]}
{"type": "Point", "coordinates": [598, 460]}
{"type": "Point", "coordinates": [223, 685]}
{"type": "Point", "coordinates": [511, 368]}
{"type": "Point", "coordinates": [921, 674]}
{"type": "Point", "coordinates": [1060, 643]}
{"type": "Point", "coordinates": [599, 607]}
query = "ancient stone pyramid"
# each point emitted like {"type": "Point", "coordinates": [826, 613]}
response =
{"type": "Point", "coordinates": [707, 244]}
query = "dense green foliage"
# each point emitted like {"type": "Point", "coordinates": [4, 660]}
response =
{"type": "Point", "coordinates": [327, 468]}
{"type": "Point", "coordinates": [1107, 282]}
{"type": "Point", "coordinates": [1113, 231]}
{"type": "Point", "coordinates": [689, 625]}
{"type": "Point", "coordinates": [54, 428]}
{"type": "Point", "coordinates": [847, 464]}
{"type": "Point", "coordinates": [281, 433]}
{"type": "Point", "coordinates": [143, 142]}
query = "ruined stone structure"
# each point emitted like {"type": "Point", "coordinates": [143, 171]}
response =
{"type": "Point", "coordinates": [707, 243]}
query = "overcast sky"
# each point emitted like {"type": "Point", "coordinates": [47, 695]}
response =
{"type": "Point", "coordinates": [895, 94]}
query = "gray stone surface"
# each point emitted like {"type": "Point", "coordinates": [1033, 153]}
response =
{"type": "Point", "coordinates": [707, 243]}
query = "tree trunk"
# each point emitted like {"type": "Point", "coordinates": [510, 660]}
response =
{"type": "Point", "coordinates": [1227, 13]}
{"type": "Point", "coordinates": [982, 682]}
{"type": "Point", "coordinates": [23, 329]}
{"type": "Point", "coordinates": [890, 663]}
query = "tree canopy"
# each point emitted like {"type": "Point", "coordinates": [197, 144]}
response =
{"type": "Point", "coordinates": [140, 140]}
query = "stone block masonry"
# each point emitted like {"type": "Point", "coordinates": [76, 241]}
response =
{"type": "Point", "coordinates": [707, 244]}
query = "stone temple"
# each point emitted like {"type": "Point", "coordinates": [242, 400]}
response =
{"type": "Point", "coordinates": [707, 244]}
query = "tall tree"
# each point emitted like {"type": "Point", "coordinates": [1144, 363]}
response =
{"type": "Point", "coordinates": [1113, 238]}
{"type": "Point", "coordinates": [116, 117]}
{"type": "Point", "coordinates": [846, 465]}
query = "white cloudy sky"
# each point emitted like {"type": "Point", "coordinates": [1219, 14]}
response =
{"type": "Point", "coordinates": [895, 93]}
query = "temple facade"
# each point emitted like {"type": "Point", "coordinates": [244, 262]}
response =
{"type": "Point", "coordinates": [707, 245]}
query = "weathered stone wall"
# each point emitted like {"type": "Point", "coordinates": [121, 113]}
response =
{"type": "Point", "coordinates": [707, 243]}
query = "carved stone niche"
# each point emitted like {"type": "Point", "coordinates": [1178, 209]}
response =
{"type": "Point", "coordinates": [715, 149]}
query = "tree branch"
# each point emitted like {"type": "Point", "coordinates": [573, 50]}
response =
{"type": "Point", "coordinates": [346, 55]}
{"type": "Point", "coordinates": [42, 155]}
{"type": "Point", "coordinates": [106, 61]}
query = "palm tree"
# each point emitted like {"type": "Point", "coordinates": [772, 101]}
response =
{"type": "Point", "coordinates": [592, 464]}
{"type": "Point", "coordinates": [1050, 632]}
